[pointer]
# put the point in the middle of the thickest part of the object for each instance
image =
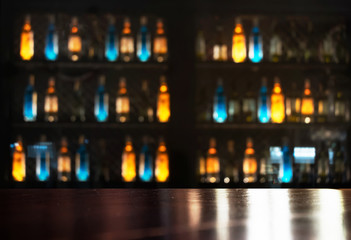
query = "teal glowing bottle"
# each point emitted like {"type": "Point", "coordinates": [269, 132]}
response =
{"type": "Point", "coordinates": [30, 102]}
{"type": "Point", "coordinates": [101, 101]}
{"type": "Point", "coordinates": [111, 47]}
{"type": "Point", "coordinates": [82, 161]}
{"type": "Point", "coordinates": [255, 44]}
{"type": "Point", "coordinates": [286, 167]}
{"type": "Point", "coordinates": [143, 41]}
{"type": "Point", "coordinates": [263, 105]}
{"type": "Point", "coordinates": [42, 160]}
{"type": "Point", "coordinates": [219, 105]}
{"type": "Point", "coordinates": [145, 162]}
{"type": "Point", "coordinates": [51, 44]}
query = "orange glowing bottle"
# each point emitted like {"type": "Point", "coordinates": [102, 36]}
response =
{"type": "Point", "coordinates": [128, 162]}
{"type": "Point", "coordinates": [212, 163]}
{"type": "Point", "coordinates": [307, 104]}
{"type": "Point", "coordinates": [51, 102]}
{"type": "Point", "coordinates": [163, 102]}
{"type": "Point", "coordinates": [18, 161]}
{"type": "Point", "coordinates": [74, 41]}
{"type": "Point", "coordinates": [162, 162]}
{"type": "Point", "coordinates": [122, 102]}
{"type": "Point", "coordinates": [27, 40]}
{"type": "Point", "coordinates": [64, 162]}
{"type": "Point", "coordinates": [249, 163]}
{"type": "Point", "coordinates": [127, 42]}
{"type": "Point", "coordinates": [239, 43]}
{"type": "Point", "coordinates": [160, 43]}
{"type": "Point", "coordinates": [277, 103]}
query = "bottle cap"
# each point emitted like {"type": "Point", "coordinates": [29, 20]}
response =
{"type": "Point", "coordinates": [81, 139]}
{"type": "Point", "coordinates": [52, 81]}
{"type": "Point", "coordinates": [212, 142]}
{"type": "Point", "coordinates": [249, 142]}
{"type": "Point", "coordinates": [31, 79]}
{"type": "Point", "coordinates": [76, 86]}
{"type": "Point", "coordinates": [74, 21]}
{"type": "Point", "coordinates": [159, 23]}
{"type": "Point", "coordinates": [27, 18]}
{"type": "Point", "coordinates": [264, 81]}
{"type": "Point", "coordinates": [255, 21]}
{"type": "Point", "coordinates": [122, 82]}
{"type": "Point", "coordinates": [102, 80]}
{"type": "Point", "coordinates": [144, 85]}
{"type": "Point", "coordinates": [219, 81]}
{"type": "Point", "coordinates": [64, 142]}
{"type": "Point", "coordinates": [143, 20]}
{"type": "Point", "coordinates": [163, 79]}
{"type": "Point", "coordinates": [43, 138]}
{"type": "Point", "coordinates": [51, 18]}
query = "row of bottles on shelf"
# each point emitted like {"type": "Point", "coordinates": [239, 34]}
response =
{"type": "Point", "coordinates": [146, 170]}
{"type": "Point", "coordinates": [275, 164]}
{"type": "Point", "coordinates": [101, 109]}
{"type": "Point", "coordinates": [277, 107]}
{"type": "Point", "coordinates": [328, 50]}
{"type": "Point", "coordinates": [116, 47]}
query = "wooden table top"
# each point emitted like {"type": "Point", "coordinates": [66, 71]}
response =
{"type": "Point", "coordinates": [253, 214]}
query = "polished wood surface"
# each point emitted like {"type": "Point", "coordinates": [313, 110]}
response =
{"type": "Point", "coordinates": [253, 214]}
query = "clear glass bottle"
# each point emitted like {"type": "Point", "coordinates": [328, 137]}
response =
{"type": "Point", "coordinates": [128, 162]}
{"type": "Point", "coordinates": [234, 107]}
{"type": "Point", "coordinates": [263, 103]}
{"type": "Point", "coordinates": [266, 171]}
{"type": "Point", "coordinates": [219, 104]}
{"type": "Point", "coordinates": [30, 101]}
{"type": "Point", "coordinates": [74, 41]}
{"type": "Point", "coordinates": [145, 162]}
{"type": "Point", "coordinates": [143, 41]}
{"type": "Point", "coordinates": [18, 161]}
{"type": "Point", "coordinates": [249, 109]}
{"type": "Point", "coordinates": [327, 49]}
{"type": "Point", "coordinates": [201, 46]}
{"type": "Point", "coordinates": [78, 110]}
{"type": "Point", "coordinates": [277, 103]}
{"type": "Point", "coordinates": [322, 106]}
{"type": "Point", "coordinates": [212, 163]}
{"type": "Point", "coordinates": [340, 107]}
{"type": "Point", "coordinates": [64, 162]}
{"type": "Point", "coordinates": [255, 44]}
{"type": "Point", "coordinates": [220, 49]}
{"type": "Point", "coordinates": [249, 163]}
{"type": "Point", "coordinates": [82, 160]}
{"type": "Point", "coordinates": [27, 40]}
{"type": "Point", "coordinates": [111, 44]}
{"type": "Point", "coordinates": [163, 102]}
{"type": "Point", "coordinates": [146, 111]}
{"type": "Point", "coordinates": [101, 101]}
{"type": "Point", "coordinates": [231, 170]}
{"type": "Point", "coordinates": [239, 43]}
{"type": "Point", "coordinates": [322, 164]}
{"type": "Point", "coordinates": [162, 162]}
{"type": "Point", "coordinates": [307, 104]}
{"type": "Point", "coordinates": [51, 44]}
{"type": "Point", "coordinates": [51, 102]}
{"type": "Point", "coordinates": [293, 105]}
{"type": "Point", "coordinates": [160, 47]}
{"type": "Point", "coordinates": [127, 42]}
{"type": "Point", "coordinates": [275, 46]}
{"type": "Point", "coordinates": [42, 160]}
{"type": "Point", "coordinates": [122, 102]}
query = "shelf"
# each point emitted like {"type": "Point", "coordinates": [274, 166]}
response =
{"type": "Point", "coordinates": [90, 65]}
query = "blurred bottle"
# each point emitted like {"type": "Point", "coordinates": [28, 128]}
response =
{"type": "Point", "coordinates": [128, 162]}
{"type": "Point", "coordinates": [51, 102]}
{"type": "Point", "coordinates": [201, 168]}
{"type": "Point", "coordinates": [219, 104]}
{"type": "Point", "coordinates": [18, 161]}
{"type": "Point", "coordinates": [212, 163]}
{"type": "Point", "coordinates": [322, 164]}
{"type": "Point", "coordinates": [249, 105]}
{"type": "Point", "coordinates": [277, 103]}
{"type": "Point", "coordinates": [234, 106]}
{"type": "Point", "coordinates": [307, 104]}
{"type": "Point", "coordinates": [64, 162]}
{"type": "Point", "coordinates": [340, 107]}
{"type": "Point", "coordinates": [342, 44]}
{"type": "Point", "coordinates": [82, 160]}
{"type": "Point", "coordinates": [162, 162]}
{"type": "Point", "coordinates": [239, 42]}
{"type": "Point", "coordinates": [74, 41]}
{"type": "Point", "coordinates": [111, 44]}
{"type": "Point", "coordinates": [143, 41]}
{"type": "Point", "coordinates": [204, 105]}
{"type": "Point", "coordinates": [127, 42]}
{"type": "Point", "coordinates": [122, 102]}
{"type": "Point", "coordinates": [42, 160]}
{"type": "Point", "coordinates": [293, 105]}
{"type": "Point", "coordinates": [249, 163]}
{"type": "Point", "coordinates": [255, 45]}
{"type": "Point", "coordinates": [30, 101]}
{"type": "Point", "coordinates": [145, 162]}
{"type": "Point", "coordinates": [51, 44]}
{"type": "Point", "coordinates": [263, 104]}
{"type": "Point", "coordinates": [286, 168]}
{"type": "Point", "coordinates": [163, 102]}
{"type": "Point", "coordinates": [220, 49]}
{"type": "Point", "coordinates": [322, 107]}
{"type": "Point", "coordinates": [307, 45]}
{"type": "Point", "coordinates": [292, 44]}
{"type": "Point", "coordinates": [146, 111]}
{"type": "Point", "coordinates": [78, 110]}
{"type": "Point", "coordinates": [339, 163]}
{"type": "Point", "coordinates": [101, 101]}
{"type": "Point", "coordinates": [201, 46]}
{"type": "Point", "coordinates": [160, 43]}
{"type": "Point", "coordinates": [275, 45]}
{"type": "Point", "coordinates": [27, 40]}
{"type": "Point", "coordinates": [231, 168]}
{"type": "Point", "coordinates": [327, 49]}
{"type": "Point", "coordinates": [305, 173]}
{"type": "Point", "coordinates": [266, 171]}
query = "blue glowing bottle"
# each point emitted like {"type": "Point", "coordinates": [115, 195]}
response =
{"type": "Point", "coordinates": [30, 102]}
{"type": "Point", "coordinates": [51, 45]}
{"type": "Point", "coordinates": [145, 162]}
{"type": "Point", "coordinates": [82, 161]}
{"type": "Point", "coordinates": [42, 159]}
{"type": "Point", "coordinates": [101, 101]}
{"type": "Point", "coordinates": [220, 104]}
{"type": "Point", "coordinates": [111, 47]}
{"type": "Point", "coordinates": [286, 167]}
{"type": "Point", "coordinates": [255, 44]}
{"type": "Point", "coordinates": [143, 41]}
{"type": "Point", "coordinates": [263, 105]}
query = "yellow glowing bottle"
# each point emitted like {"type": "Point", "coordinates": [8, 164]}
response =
{"type": "Point", "coordinates": [74, 41]}
{"type": "Point", "coordinates": [128, 162]}
{"type": "Point", "coordinates": [239, 43]}
{"type": "Point", "coordinates": [220, 49]}
{"type": "Point", "coordinates": [27, 40]}
{"type": "Point", "coordinates": [212, 163]}
{"type": "Point", "coordinates": [51, 102]}
{"type": "Point", "coordinates": [19, 161]}
{"type": "Point", "coordinates": [307, 104]}
{"type": "Point", "coordinates": [127, 42]}
{"type": "Point", "coordinates": [163, 102]}
{"type": "Point", "coordinates": [64, 162]}
{"type": "Point", "coordinates": [122, 102]}
{"type": "Point", "coordinates": [160, 43]}
{"type": "Point", "coordinates": [162, 162]}
{"type": "Point", "coordinates": [277, 103]}
{"type": "Point", "coordinates": [249, 163]}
